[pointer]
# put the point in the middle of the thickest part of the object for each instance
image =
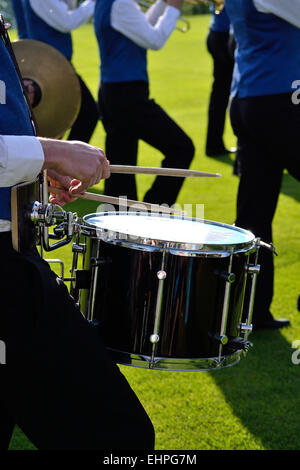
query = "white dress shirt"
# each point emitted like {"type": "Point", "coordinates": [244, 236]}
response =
{"type": "Point", "coordinates": [59, 15]}
{"type": "Point", "coordinates": [149, 30]}
{"type": "Point", "coordinates": [21, 160]}
{"type": "Point", "coordinates": [288, 10]}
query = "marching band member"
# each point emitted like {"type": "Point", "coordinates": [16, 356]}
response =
{"type": "Point", "coordinates": [124, 34]}
{"type": "Point", "coordinates": [265, 121]}
{"type": "Point", "coordinates": [54, 357]}
{"type": "Point", "coordinates": [218, 44]}
{"type": "Point", "coordinates": [52, 21]}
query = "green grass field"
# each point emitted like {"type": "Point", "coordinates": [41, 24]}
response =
{"type": "Point", "coordinates": [255, 404]}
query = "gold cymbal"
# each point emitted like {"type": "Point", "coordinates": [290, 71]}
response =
{"type": "Point", "coordinates": [55, 79]}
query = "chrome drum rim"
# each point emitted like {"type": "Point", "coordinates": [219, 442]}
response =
{"type": "Point", "coordinates": [90, 229]}
{"type": "Point", "coordinates": [176, 364]}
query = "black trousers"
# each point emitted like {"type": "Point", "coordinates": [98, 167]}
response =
{"type": "Point", "coordinates": [128, 115]}
{"type": "Point", "coordinates": [59, 384]}
{"type": "Point", "coordinates": [221, 47]}
{"type": "Point", "coordinates": [267, 128]}
{"type": "Point", "coordinates": [87, 118]}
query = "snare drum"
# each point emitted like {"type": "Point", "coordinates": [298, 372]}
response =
{"type": "Point", "coordinates": [167, 292]}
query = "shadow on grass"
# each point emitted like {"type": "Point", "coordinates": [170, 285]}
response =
{"type": "Point", "coordinates": [263, 391]}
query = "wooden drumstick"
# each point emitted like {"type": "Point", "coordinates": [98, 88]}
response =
{"type": "Point", "coordinates": [115, 200]}
{"type": "Point", "coordinates": [145, 170]}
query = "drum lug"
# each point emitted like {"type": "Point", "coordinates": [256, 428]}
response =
{"type": "Point", "coordinates": [221, 339]}
{"type": "Point", "coordinates": [245, 328]}
{"type": "Point", "coordinates": [79, 247]}
{"type": "Point", "coordinates": [253, 270]}
{"type": "Point", "coordinates": [99, 261]}
{"type": "Point", "coordinates": [154, 338]}
{"type": "Point", "coordinates": [161, 275]}
{"type": "Point", "coordinates": [95, 264]}
{"type": "Point", "coordinates": [226, 303]}
{"type": "Point", "coordinates": [228, 277]}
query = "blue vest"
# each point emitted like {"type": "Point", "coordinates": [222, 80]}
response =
{"type": "Point", "coordinates": [267, 54]}
{"type": "Point", "coordinates": [121, 59]}
{"type": "Point", "coordinates": [219, 22]}
{"type": "Point", "coordinates": [18, 10]}
{"type": "Point", "coordinates": [14, 115]}
{"type": "Point", "coordinates": [41, 31]}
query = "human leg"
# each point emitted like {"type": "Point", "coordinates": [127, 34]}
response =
{"type": "Point", "coordinates": [217, 44]}
{"type": "Point", "coordinates": [258, 193]}
{"type": "Point", "coordinates": [62, 387]}
{"type": "Point", "coordinates": [129, 115]}
{"type": "Point", "coordinates": [121, 145]}
{"type": "Point", "coordinates": [87, 118]}
{"type": "Point", "coordinates": [159, 130]}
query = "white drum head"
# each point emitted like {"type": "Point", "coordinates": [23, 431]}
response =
{"type": "Point", "coordinates": [167, 231]}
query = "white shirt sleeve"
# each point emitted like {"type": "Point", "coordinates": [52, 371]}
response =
{"type": "Point", "coordinates": [155, 11]}
{"type": "Point", "coordinates": [57, 14]}
{"type": "Point", "coordinates": [128, 18]}
{"type": "Point", "coordinates": [21, 159]}
{"type": "Point", "coordinates": [288, 10]}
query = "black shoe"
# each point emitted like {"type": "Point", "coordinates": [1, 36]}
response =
{"type": "Point", "coordinates": [220, 152]}
{"type": "Point", "coordinates": [272, 324]}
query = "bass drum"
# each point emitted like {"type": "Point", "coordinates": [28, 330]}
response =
{"type": "Point", "coordinates": [168, 292]}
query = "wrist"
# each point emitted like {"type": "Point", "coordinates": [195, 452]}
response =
{"type": "Point", "coordinates": [175, 3]}
{"type": "Point", "coordinates": [52, 152]}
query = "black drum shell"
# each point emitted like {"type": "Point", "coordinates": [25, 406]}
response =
{"type": "Point", "coordinates": [123, 294]}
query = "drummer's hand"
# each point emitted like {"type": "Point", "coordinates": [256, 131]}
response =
{"type": "Point", "coordinates": [79, 161]}
{"type": "Point", "coordinates": [61, 182]}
